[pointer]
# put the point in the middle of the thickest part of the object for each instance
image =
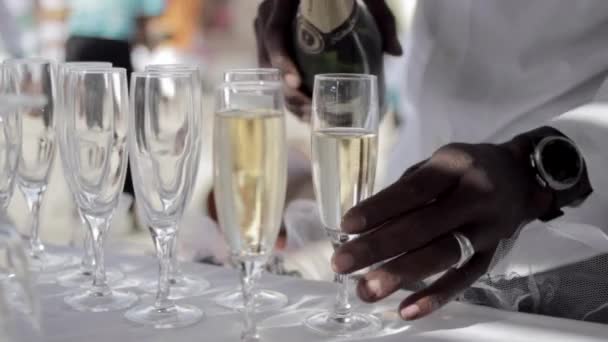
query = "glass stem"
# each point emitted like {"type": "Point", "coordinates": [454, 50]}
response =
{"type": "Point", "coordinates": [250, 269]}
{"type": "Point", "coordinates": [87, 264]}
{"type": "Point", "coordinates": [98, 227]}
{"type": "Point", "coordinates": [175, 271]}
{"type": "Point", "coordinates": [342, 307]}
{"type": "Point", "coordinates": [163, 242]}
{"type": "Point", "coordinates": [34, 200]}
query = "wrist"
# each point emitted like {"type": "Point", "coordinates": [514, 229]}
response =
{"type": "Point", "coordinates": [556, 169]}
{"type": "Point", "coordinates": [538, 199]}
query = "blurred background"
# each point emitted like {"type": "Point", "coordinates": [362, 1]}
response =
{"type": "Point", "coordinates": [217, 34]}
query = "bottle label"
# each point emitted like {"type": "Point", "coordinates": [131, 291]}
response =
{"type": "Point", "coordinates": [327, 15]}
{"type": "Point", "coordinates": [313, 40]}
{"type": "Point", "coordinates": [310, 40]}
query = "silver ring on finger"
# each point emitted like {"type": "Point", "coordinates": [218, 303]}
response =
{"type": "Point", "coordinates": [466, 249]}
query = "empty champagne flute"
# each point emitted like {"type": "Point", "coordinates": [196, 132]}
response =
{"type": "Point", "coordinates": [250, 172]}
{"type": "Point", "coordinates": [10, 147]}
{"type": "Point", "coordinates": [161, 144]}
{"type": "Point", "coordinates": [83, 274]}
{"type": "Point", "coordinates": [96, 131]}
{"type": "Point", "coordinates": [264, 299]}
{"type": "Point", "coordinates": [344, 148]}
{"type": "Point", "coordinates": [184, 284]}
{"type": "Point", "coordinates": [35, 77]}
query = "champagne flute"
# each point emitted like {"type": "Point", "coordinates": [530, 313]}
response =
{"type": "Point", "coordinates": [10, 148]}
{"type": "Point", "coordinates": [344, 148]}
{"type": "Point", "coordinates": [35, 77]}
{"type": "Point", "coordinates": [161, 145]}
{"type": "Point", "coordinates": [264, 299]}
{"type": "Point", "coordinates": [96, 129]}
{"type": "Point", "coordinates": [250, 172]}
{"type": "Point", "coordinates": [83, 274]}
{"type": "Point", "coordinates": [184, 284]}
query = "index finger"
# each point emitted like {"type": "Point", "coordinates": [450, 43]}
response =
{"type": "Point", "coordinates": [412, 191]}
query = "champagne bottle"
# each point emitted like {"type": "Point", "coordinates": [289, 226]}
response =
{"type": "Point", "coordinates": [337, 36]}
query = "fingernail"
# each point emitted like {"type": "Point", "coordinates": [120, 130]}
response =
{"type": "Point", "coordinates": [374, 287]}
{"type": "Point", "coordinates": [410, 312]}
{"type": "Point", "coordinates": [352, 222]}
{"type": "Point", "coordinates": [292, 81]}
{"type": "Point", "coordinates": [342, 262]}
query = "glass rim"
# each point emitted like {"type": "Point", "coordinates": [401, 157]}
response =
{"type": "Point", "coordinates": [243, 85]}
{"type": "Point", "coordinates": [253, 71]}
{"type": "Point", "coordinates": [100, 70]}
{"type": "Point", "coordinates": [28, 60]}
{"type": "Point", "coordinates": [162, 74]}
{"type": "Point", "coordinates": [75, 64]}
{"type": "Point", "coordinates": [345, 76]}
{"type": "Point", "coordinates": [168, 67]}
{"type": "Point", "coordinates": [67, 70]}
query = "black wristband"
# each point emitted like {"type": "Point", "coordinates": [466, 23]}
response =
{"type": "Point", "coordinates": [570, 197]}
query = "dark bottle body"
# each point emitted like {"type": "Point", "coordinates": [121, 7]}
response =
{"type": "Point", "coordinates": [354, 45]}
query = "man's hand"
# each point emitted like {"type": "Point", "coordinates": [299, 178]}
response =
{"type": "Point", "coordinates": [483, 191]}
{"type": "Point", "coordinates": [274, 33]}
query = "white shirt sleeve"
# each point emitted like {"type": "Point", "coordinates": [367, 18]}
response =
{"type": "Point", "coordinates": [587, 126]}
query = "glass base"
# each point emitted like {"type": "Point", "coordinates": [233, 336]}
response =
{"type": "Point", "coordinates": [175, 317]}
{"type": "Point", "coordinates": [80, 278]}
{"type": "Point", "coordinates": [265, 300]}
{"type": "Point", "coordinates": [91, 301]}
{"type": "Point", "coordinates": [354, 325]}
{"type": "Point", "coordinates": [182, 286]}
{"type": "Point", "coordinates": [49, 262]}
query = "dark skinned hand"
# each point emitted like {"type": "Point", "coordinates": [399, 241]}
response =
{"type": "Point", "coordinates": [483, 191]}
{"type": "Point", "coordinates": [274, 34]}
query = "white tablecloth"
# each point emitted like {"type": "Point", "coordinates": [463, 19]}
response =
{"type": "Point", "coordinates": [457, 322]}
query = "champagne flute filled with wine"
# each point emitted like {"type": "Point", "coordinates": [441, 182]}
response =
{"type": "Point", "coordinates": [264, 299]}
{"type": "Point", "coordinates": [250, 171]}
{"type": "Point", "coordinates": [344, 147]}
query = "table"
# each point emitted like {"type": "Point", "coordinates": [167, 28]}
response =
{"type": "Point", "coordinates": [457, 322]}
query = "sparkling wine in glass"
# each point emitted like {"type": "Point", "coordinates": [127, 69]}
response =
{"type": "Point", "coordinates": [164, 105]}
{"type": "Point", "coordinates": [344, 152]}
{"type": "Point", "coordinates": [264, 299]}
{"type": "Point", "coordinates": [250, 171]}
{"type": "Point", "coordinates": [35, 77]}
{"type": "Point", "coordinates": [96, 129]}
